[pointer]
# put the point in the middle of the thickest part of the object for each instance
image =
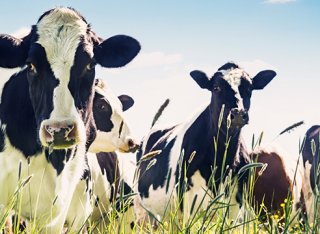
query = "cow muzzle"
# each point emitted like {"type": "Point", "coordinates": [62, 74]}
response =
{"type": "Point", "coordinates": [238, 118]}
{"type": "Point", "coordinates": [132, 145]}
{"type": "Point", "coordinates": [59, 134]}
{"type": "Point", "coordinates": [129, 145]}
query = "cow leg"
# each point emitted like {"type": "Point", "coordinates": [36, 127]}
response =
{"type": "Point", "coordinates": [80, 208]}
{"type": "Point", "coordinates": [309, 198]}
{"type": "Point", "coordinates": [8, 226]}
{"type": "Point", "coordinates": [142, 217]}
{"type": "Point", "coordinates": [67, 182]}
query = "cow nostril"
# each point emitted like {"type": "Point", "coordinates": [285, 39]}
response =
{"type": "Point", "coordinates": [47, 128]}
{"type": "Point", "coordinates": [232, 116]}
{"type": "Point", "coordinates": [47, 133]}
{"type": "Point", "coordinates": [131, 143]}
{"type": "Point", "coordinates": [71, 135]}
{"type": "Point", "coordinates": [70, 126]}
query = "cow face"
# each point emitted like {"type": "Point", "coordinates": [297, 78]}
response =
{"type": "Point", "coordinates": [59, 56]}
{"type": "Point", "coordinates": [113, 132]}
{"type": "Point", "coordinates": [231, 89]}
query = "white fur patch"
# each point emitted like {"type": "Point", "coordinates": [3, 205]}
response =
{"type": "Point", "coordinates": [200, 190]}
{"type": "Point", "coordinates": [233, 77]}
{"type": "Point", "coordinates": [44, 185]}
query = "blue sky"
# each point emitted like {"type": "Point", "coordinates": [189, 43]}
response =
{"type": "Point", "coordinates": [180, 36]}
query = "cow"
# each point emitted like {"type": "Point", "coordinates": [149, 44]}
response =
{"type": "Point", "coordinates": [46, 115]}
{"type": "Point", "coordinates": [277, 190]}
{"type": "Point", "coordinates": [184, 156]}
{"type": "Point", "coordinates": [99, 185]}
{"type": "Point", "coordinates": [104, 165]}
{"type": "Point", "coordinates": [311, 166]}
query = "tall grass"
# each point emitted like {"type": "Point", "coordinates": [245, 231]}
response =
{"type": "Point", "coordinates": [209, 213]}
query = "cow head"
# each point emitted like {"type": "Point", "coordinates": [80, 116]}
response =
{"type": "Point", "coordinates": [231, 88]}
{"type": "Point", "coordinates": [59, 58]}
{"type": "Point", "coordinates": [113, 132]}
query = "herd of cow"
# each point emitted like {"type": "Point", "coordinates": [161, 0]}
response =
{"type": "Point", "coordinates": [61, 126]}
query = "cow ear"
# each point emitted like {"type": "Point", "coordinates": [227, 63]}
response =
{"type": "Point", "coordinates": [262, 79]}
{"type": "Point", "coordinates": [13, 51]}
{"type": "Point", "coordinates": [116, 51]}
{"type": "Point", "coordinates": [126, 101]}
{"type": "Point", "coordinates": [201, 79]}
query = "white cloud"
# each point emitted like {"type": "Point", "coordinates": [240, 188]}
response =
{"type": "Point", "coordinates": [278, 1]}
{"type": "Point", "coordinates": [254, 66]}
{"type": "Point", "coordinates": [21, 32]}
{"type": "Point", "coordinates": [154, 59]}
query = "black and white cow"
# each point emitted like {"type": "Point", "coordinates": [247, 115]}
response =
{"type": "Point", "coordinates": [46, 110]}
{"type": "Point", "coordinates": [101, 177]}
{"type": "Point", "coordinates": [104, 165]}
{"type": "Point", "coordinates": [311, 164]}
{"type": "Point", "coordinates": [190, 145]}
{"type": "Point", "coordinates": [100, 183]}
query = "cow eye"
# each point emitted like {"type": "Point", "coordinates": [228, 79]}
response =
{"type": "Point", "coordinates": [216, 88]}
{"type": "Point", "coordinates": [90, 66]}
{"type": "Point", "coordinates": [32, 68]}
{"type": "Point", "coordinates": [102, 106]}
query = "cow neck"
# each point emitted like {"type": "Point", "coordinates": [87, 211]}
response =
{"type": "Point", "coordinates": [201, 135]}
{"type": "Point", "coordinates": [199, 138]}
{"type": "Point", "coordinates": [226, 142]}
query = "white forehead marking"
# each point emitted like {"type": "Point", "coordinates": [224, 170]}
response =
{"type": "Point", "coordinates": [233, 77]}
{"type": "Point", "coordinates": [59, 34]}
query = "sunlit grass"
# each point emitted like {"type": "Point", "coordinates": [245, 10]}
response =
{"type": "Point", "coordinates": [207, 214]}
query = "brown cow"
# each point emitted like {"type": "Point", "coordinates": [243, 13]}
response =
{"type": "Point", "coordinates": [278, 186]}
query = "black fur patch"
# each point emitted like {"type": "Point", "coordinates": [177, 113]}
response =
{"type": "Point", "coordinates": [228, 66]}
{"type": "Point", "coordinates": [17, 114]}
{"type": "Point", "coordinates": [156, 176]}
{"type": "Point", "coordinates": [102, 113]}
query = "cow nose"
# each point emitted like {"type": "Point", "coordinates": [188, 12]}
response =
{"type": "Point", "coordinates": [60, 134]}
{"type": "Point", "coordinates": [133, 146]}
{"type": "Point", "coordinates": [239, 117]}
